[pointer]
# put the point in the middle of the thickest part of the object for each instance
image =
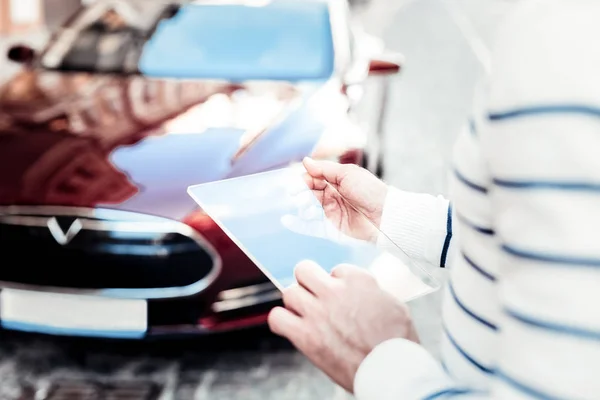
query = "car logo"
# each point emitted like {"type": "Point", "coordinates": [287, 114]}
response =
{"type": "Point", "coordinates": [62, 237]}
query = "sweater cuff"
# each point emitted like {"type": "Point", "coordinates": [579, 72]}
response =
{"type": "Point", "coordinates": [399, 369]}
{"type": "Point", "coordinates": [416, 223]}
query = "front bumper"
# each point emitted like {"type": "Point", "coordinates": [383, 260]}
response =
{"type": "Point", "coordinates": [122, 275]}
{"type": "Point", "coordinates": [236, 308]}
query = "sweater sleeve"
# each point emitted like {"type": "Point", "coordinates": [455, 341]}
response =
{"type": "Point", "coordinates": [419, 224]}
{"type": "Point", "coordinates": [399, 369]}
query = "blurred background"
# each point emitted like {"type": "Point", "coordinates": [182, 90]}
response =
{"type": "Point", "coordinates": [447, 48]}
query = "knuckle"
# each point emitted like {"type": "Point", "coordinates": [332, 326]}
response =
{"type": "Point", "coordinates": [350, 167]}
{"type": "Point", "coordinates": [336, 291]}
{"type": "Point", "coordinates": [289, 294]}
{"type": "Point", "coordinates": [272, 318]}
{"type": "Point", "coordinates": [274, 321]}
{"type": "Point", "coordinates": [367, 277]}
{"type": "Point", "coordinates": [304, 267]}
{"type": "Point", "coordinates": [345, 270]}
{"type": "Point", "coordinates": [339, 270]}
{"type": "Point", "coordinates": [355, 170]}
{"type": "Point", "coordinates": [319, 312]}
{"type": "Point", "coordinates": [293, 299]}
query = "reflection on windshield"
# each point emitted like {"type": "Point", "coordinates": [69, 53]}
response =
{"type": "Point", "coordinates": [106, 36]}
{"type": "Point", "coordinates": [279, 40]}
{"type": "Point", "coordinates": [283, 40]}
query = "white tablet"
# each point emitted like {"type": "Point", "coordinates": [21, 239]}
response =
{"type": "Point", "coordinates": [278, 222]}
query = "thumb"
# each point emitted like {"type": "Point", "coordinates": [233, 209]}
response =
{"type": "Point", "coordinates": [328, 171]}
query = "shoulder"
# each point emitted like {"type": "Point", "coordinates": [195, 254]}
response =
{"type": "Point", "coordinates": [547, 50]}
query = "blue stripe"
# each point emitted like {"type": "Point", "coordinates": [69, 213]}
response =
{"type": "Point", "coordinates": [549, 185]}
{"type": "Point", "coordinates": [470, 184]}
{"type": "Point", "coordinates": [552, 258]}
{"type": "Point", "coordinates": [445, 368]}
{"type": "Point", "coordinates": [475, 363]}
{"type": "Point", "coordinates": [545, 110]}
{"type": "Point", "coordinates": [485, 231]}
{"type": "Point", "coordinates": [469, 312]}
{"type": "Point", "coordinates": [449, 392]}
{"type": "Point", "coordinates": [472, 127]}
{"type": "Point", "coordinates": [477, 268]}
{"type": "Point", "coordinates": [448, 238]}
{"type": "Point", "coordinates": [528, 390]}
{"type": "Point", "coordinates": [554, 327]}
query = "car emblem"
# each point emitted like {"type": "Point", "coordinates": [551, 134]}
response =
{"type": "Point", "coordinates": [62, 237]}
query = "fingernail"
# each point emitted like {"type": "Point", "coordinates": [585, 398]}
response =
{"type": "Point", "coordinates": [309, 160]}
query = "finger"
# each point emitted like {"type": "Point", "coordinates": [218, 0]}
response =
{"type": "Point", "coordinates": [285, 323]}
{"type": "Point", "coordinates": [299, 300]}
{"type": "Point", "coordinates": [314, 183]}
{"type": "Point", "coordinates": [290, 326]}
{"type": "Point", "coordinates": [313, 278]}
{"type": "Point", "coordinates": [317, 186]}
{"type": "Point", "coordinates": [347, 271]}
{"type": "Point", "coordinates": [329, 171]}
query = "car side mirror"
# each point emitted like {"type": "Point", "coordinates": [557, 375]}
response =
{"type": "Point", "coordinates": [21, 54]}
{"type": "Point", "coordinates": [388, 64]}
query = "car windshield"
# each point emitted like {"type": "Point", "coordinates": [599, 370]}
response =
{"type": "Point", "coordinates": [281, 40]}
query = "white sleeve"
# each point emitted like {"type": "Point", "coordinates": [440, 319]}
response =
{"type": "Point", "coordinates": [399, 369]}
{"type": "Point", "coordinates": [542, 143]}
{"type": "Point", "coordinates": [419, 224]}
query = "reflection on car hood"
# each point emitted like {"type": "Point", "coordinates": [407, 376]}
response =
{"type": "Point", "coordinates": [127, 142]}
{"type": "Point", "coordinates": [113, 109]}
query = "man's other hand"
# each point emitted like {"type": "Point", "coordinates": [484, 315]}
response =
{"type": "Point", "coordinates": [337, 320]}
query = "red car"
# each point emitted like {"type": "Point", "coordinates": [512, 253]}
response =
{"type": "Point", "coordinates": [129, 104]}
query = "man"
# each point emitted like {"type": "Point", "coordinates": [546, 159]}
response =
{"type": "Point", "coordinates": [521, 310]}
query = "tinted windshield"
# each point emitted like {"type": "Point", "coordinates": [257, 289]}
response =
{"type": "Point", "coordinates": [282, 40]}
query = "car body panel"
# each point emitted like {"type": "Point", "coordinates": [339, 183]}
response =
{"type": "Point", "coordinates": [148, 155]}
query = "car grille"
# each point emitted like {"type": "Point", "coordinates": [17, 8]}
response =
{"type": "Point", "coordinates": [130, 254]}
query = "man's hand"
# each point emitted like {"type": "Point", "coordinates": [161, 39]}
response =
{"type": "Point", "coordinates": [352, 197]}
{"type": "Point", "coordinates": [336, 320]}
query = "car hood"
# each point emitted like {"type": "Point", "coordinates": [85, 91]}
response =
{"type": "Point", "coordinates": [136, 144]}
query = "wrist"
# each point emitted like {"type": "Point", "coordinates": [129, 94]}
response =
{"type": "Point", "coordinates": [414, 222]}
{"type": "Point", "coordinates": [373, 209]}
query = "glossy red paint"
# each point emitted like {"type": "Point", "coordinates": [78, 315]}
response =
{"type": "Point", "coordinates": [96, 141]}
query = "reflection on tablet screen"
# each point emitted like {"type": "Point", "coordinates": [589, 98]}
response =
{"type": "Point", "coordinates": [278, 221]}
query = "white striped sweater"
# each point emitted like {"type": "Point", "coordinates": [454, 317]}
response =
{"type": "Point", "coordinates": [522, 306]}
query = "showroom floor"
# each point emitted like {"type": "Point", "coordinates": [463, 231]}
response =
{"type": "Point", "coordinates": [446, 43]}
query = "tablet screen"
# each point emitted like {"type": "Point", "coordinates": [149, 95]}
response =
{"type": "Point", "coordinates": [277, 220]}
